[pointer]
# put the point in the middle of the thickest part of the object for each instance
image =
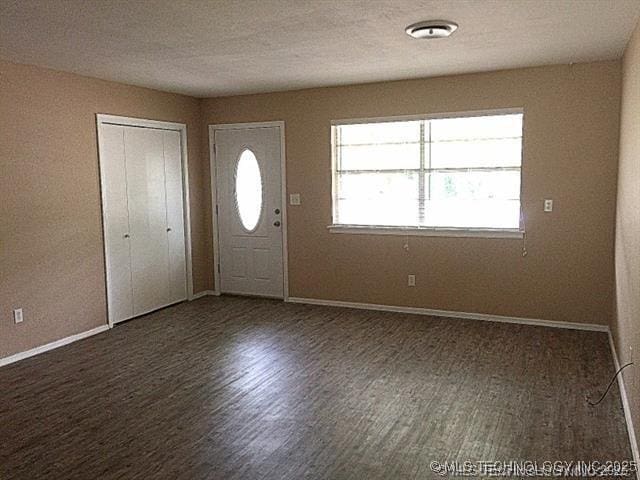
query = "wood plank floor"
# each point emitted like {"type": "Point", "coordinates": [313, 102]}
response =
{"type": "Point", "coordinates": [233, 388]}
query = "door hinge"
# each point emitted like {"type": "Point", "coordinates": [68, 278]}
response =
{"type": "Point", "coordinates": [218, 268]}
{"type": "Point", "coordinates": [216, 209]}
{"type": "Point", "coordinates": [215, 149]}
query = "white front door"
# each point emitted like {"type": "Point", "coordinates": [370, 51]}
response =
{"type": "Point", "coordinates": [249, 198]}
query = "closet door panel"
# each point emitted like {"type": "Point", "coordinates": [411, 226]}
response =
{"type": "Point", "coordinates": [175, 216]}
{"type": "Point", "coordinates": [147, 218]}
{"type": "Point", "coordinates": [116, 223]}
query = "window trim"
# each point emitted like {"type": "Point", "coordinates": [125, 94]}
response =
{"type": "Point", "coordinates": [417, 230]}
{"type": "Point", "coordinates": [429, 116]}
{"type": "Point", "coordinates": [427, 231]}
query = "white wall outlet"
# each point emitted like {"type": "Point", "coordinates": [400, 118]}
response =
{"type": "Point", "coordinates": [548, 205]}
{"type": "Point", "coordinates": [17, 315]}
{"type": "Point", "coordinates": [411, 280]}
{"type": "Point", "coordinates": [294, 199]}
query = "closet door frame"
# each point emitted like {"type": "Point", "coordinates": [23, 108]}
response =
{"type": "Point", "coordinates": [106, 119]}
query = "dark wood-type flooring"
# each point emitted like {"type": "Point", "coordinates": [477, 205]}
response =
{"type": "Point", "coordinates": [233, 388]}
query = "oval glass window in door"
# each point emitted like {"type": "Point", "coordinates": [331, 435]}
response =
{"type": "Point", "coordinates": [248, 190]}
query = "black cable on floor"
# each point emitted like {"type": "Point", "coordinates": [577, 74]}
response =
{"type": "Point", "coordinates": [610, 383]}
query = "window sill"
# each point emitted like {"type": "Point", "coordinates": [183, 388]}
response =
{"type": "Point", "coordinates": [427, 231]}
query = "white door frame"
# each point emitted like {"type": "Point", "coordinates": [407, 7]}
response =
{"type": "Point", "coordinates": [105, 119]}
{"type": "Point", "coordinates": [214, 198]}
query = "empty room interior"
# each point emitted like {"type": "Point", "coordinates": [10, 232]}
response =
{"type": "Point", "coordinates": [329, 239]}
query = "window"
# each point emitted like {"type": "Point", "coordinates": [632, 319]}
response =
{"type": "Point", "coordinates": [248, 190]}
{"type": "Point", "coordinates": [456, 173]}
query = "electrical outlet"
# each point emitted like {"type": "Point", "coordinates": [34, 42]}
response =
{"type": "Point", "coordinates": [17, 315]}
{"type": "Point", "coordinates": [294, 199]}
{"type": "Point", "coordinates": [411, 280]}
{"type": "Point", "coordinates": [548, 205]}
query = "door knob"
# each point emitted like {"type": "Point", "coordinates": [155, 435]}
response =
{"type": "Point", "coordinates": [276, 223]}
{"type": "Point", "coordinates": [168, 229]}
{"type": "Point", "coordinates": [277, 211]}
{"type": "Point", "coordinates": [126, 235]}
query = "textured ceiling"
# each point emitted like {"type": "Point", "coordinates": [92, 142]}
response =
{"type": "Point", "coordinates": [211, 48]}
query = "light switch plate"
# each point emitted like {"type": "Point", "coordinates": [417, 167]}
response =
{"type": "Point", "coordinates": [294, 199]}
{"type": "Point", "coordinates": [17, 315]}
{"type": "Point", "coordinates": [548, 205]}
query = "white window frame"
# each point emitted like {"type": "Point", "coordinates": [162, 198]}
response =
{"type": "Point", "coordinates": [418, 230]}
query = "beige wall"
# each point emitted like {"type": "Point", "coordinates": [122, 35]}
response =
{"type": "Point", "coordinates": [51, 257]}
{"type": "Point", "coordinates": [51, 260]}
{"type": "Point", "coordinates": [570, 155]}
{"type": "Point", "coordinates": [626, 325]}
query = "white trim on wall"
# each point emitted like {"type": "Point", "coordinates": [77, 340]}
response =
{"type": "Point", "coordinates": [452, 314]}
{"type": "Point", "coordinates": [625, 406]}
{"type": "Point", "coordinates": [52, 345]}
{"type": "Point", "coordinates": [427, 231]}
{"type": "Point", "coordinates": [104, 119]}
{"type": "Point", "coordinates": [78, 336]}
{"type": "Point", "coordinates": [429, 116]}
{"type": "Point", "coordinates": [214, 213]}
{"type": "Point", "coordinates": [214, 197]}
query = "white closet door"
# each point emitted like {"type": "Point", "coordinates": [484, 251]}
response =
{"type": "Point", "coordinates": [175, 217]}
{"type": "Point", "coordinates": [116, 226]}
{"type": "Point", "coordinates": [146, 191]}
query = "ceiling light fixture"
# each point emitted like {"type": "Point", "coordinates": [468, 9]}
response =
{"type": "Point", "coordinates": [432, 29]}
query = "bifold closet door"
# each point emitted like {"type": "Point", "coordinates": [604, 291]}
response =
{"type": "Point", "coordinates": [116, 223]}
{"type": "Point", "coordinates": [175, 216]}
{"type": "Point", "coordinates": [141, 170]}
{"type": "Point", "coordinates": [147, 203]}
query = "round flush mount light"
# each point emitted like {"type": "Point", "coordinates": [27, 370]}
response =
{"type": "Point", "coordinates": [432, 29]}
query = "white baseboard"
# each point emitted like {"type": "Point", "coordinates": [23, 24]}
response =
{"type": "Point", "coordinates": [452, 314]}
{"type": "Point", "coordinates": [74, 338]}
{"type": "Point", "coordinates": [50, 346]}
{"type": "Point", "coordinates": [205, 293]}
{"type": "Point", "coordinates": [503, 319]}
{"type": "Point", "coordinates": [625, 406]}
